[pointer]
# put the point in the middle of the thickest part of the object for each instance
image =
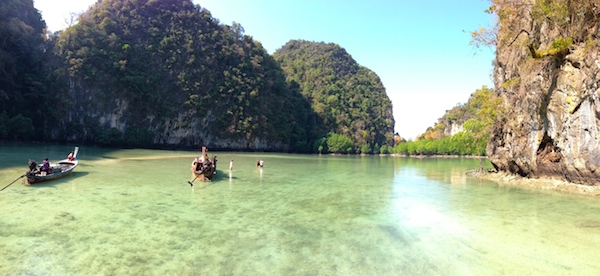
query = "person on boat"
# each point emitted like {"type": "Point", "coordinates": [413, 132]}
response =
{"type": "Point", "coordinates": [195, 164]}
{"type": "Point", "coordinates": [70, 157]}
{"type": "Point", "coordinates": [45, 166]}
{"type": "Point", "coordinates": [257, 163]}
{"type": "Point", "coordinates": [261, 163]}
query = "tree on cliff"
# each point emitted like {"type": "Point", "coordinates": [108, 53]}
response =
{"type": "Point", "coordinates": [155, 61]}
{"type": "Point", "coordinates": [487, 107]}
{"type": "Point", "coordinates": [147, 72]}
{"type": "Point", "coordinates": [569, 18]}
{"type": "Point", "coordinates": [348, 99]}
{"type": "Point", "coordinates": [476, 118]}
{"type": "Point", "coordinates": [25, 95]}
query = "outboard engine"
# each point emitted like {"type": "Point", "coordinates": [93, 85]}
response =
{"type": "Point", "coordinates": [32, 165]}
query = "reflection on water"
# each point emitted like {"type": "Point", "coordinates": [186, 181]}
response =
{"type": "Point", "coordinates": [133, 212]}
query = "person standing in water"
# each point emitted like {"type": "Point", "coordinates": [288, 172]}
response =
{"type": "Point", "coordinates": [231, 165]}
{"type": "Point", "coordinates": [214, 164]}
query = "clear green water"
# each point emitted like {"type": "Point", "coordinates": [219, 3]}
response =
{"type": "Point", "coordinates": [131, 212]}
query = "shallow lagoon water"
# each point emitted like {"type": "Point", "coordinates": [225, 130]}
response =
{"type": "Point", "coordinates": [132, 212]}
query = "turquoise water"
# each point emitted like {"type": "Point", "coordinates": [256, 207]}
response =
{"type": "Point", "coordinates": [132, 212]}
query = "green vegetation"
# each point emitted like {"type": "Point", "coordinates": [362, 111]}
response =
{"type": "Point", "coordinates": [25, 73]}
{"type": "Point", "coordinates": [559, 45]}
{"type": "Point", "coordinates": [164, 58]}
{"type": "Point", "coordinates": [462, 143]}
{"type": "Point", "coordinates": [570, 19]}
{"type": "Point", "coordinates": [512, 82]}
{"type": "Point", "coordinates": [348, 99]}
{"type": "Point", "coordinates": [18, 127]}
{"type": "Point", "coordinates": [476, 117]}
{"type": "Point", "coordinates": [130, 73]}
{"type": "Point", "coordinates": [339, 143]}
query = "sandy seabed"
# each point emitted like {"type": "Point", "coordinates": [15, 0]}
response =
{"type": "Point", "coordinates": [546, 183]}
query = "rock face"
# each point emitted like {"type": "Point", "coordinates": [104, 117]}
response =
{"type": "Point", "coordinates": [551, 126]}
{"type": "Point", "coordinates": [453, 128]}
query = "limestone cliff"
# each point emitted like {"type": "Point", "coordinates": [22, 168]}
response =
{"type": "Point", "coordinates": [167, 74]}
{"type": "Point", "coordinates": [547, 70]}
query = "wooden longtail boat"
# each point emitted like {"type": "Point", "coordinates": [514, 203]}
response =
{"type": "Point", "coordinates": [56, 170]}
{"type": "Point", "coordinates": [204, 168]}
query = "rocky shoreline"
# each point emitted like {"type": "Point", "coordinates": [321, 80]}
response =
{"type": "Point", "coordinates": [548, 184]}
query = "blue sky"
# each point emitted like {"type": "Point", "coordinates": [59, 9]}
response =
{"type": "Point", "coordinates": [419, 49]}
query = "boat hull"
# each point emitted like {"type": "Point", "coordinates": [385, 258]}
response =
{"type": "Point", "coordinates": [203, 168]}
{"type": "Point", "coordinates": [203, 176]}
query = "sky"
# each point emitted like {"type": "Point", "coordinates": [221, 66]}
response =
{"type": "Point", "coordinates": [419, 48]}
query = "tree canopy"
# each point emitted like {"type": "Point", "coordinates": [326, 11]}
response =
{"type": "Point", "coordinates": [165, 58]}
{"type": "Point", "coordinates": [24, 74]}
{"type": "Point", "coordinates": [140, 72]}
{"type": "Point", "coordinates": [476, 117]}
{"type": "Point", "coordinates": [348, 99]}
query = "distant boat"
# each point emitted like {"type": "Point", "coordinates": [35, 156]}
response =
{"type": "Point", "coordinates": [204, 168]}
{"type": "Point", "coordinates": [204, 174]}
{"type": "Point", "coordinates": [56, 170]}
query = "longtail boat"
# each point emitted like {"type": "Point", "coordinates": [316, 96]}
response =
{"type": "Point", "coordinates": [204, 168]}
{"type": "Point", "coordinates": [55, 170]}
